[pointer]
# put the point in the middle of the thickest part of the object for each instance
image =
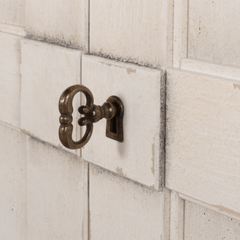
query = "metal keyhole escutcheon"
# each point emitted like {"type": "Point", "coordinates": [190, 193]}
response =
{"type": "Point", "coordinates": [112, 110]}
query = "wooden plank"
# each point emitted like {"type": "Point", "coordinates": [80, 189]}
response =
{"type": "Point", "coordinates": [140, 156]}
{"type": "Point", "coordinates": [16, 30]}
{"type": "Point", "coordinates": [121, 209]}
{"type": "Point", "coordinates": [10, 79]}
{"type": "Point", "coordinates": [204, 224]}
{"type": "Point", "coordinates": [214, 31]}
{"type": "Point", "coordinates": [13, 184]}
{"type": "Point", "coordinates": [177, 217]}
{"type": "Point", "coordinates": [203, 138]}
{"type": "Point", "coordinates": [180, 31]}
{"type": "Point", "coordinates": [222, 211]}
{"type": "Point", "coordinates": [57, 193]}
{"type": "Point", "coordinates": [47, 70]}
{"type": "Point", "coordinates": [62, 22]}
{"type": "Point", "coordinates": [132, 30]}
{"type": "Point", "coordinates": [12, 12]}
{"type": "Point", "coordinates": [218, 70]}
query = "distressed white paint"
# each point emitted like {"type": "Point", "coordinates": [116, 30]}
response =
{"type": "Point", "coordinates": [203, 132]}
{"type": "Point", "coordinates": [180, 31]}
{"type": "Point", "coordinates": [12, 12]}
{"type": "Point", "coordinates": [16, 30]}
{"type": "Point", "coordinates": [121, 209]}
{"type": "Point", "coordinates": [142, 90]}
{"type": "Point", "coordinates": [47, 70]}
{"type": "Point", "coordinates": [177, 217]}
{"type": "Point", "coordinates": [57, 193]}
{"type": "Point", "coordinates": [13, 184]}
{"type": "Point", "coordinates": [214, 31]}
{"type": "Point", "coordinates": [62, 22]}
{"type": "Point", "coordinates": [223, 71]}
{"type": "Point", "coordinates": [10, 79]}
{"type": "Point", "coordinates": [212, 207]}
{"type": "Point", "coordinates": [133, 30]}
{"type": "Point", "coordinates": [204, 224]}
{"type": "Point", "coordinates": [203, 138]}
{"type": "Point", "coordinates": [167, 216]}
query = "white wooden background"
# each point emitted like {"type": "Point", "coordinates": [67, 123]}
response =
{"type": "Point", "coordinates": [48, 192]}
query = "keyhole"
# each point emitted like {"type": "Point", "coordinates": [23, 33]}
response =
{"type": "Point", "coordinates": [113, 125]}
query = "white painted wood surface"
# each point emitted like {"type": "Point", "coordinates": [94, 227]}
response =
{"type": "Point", "coordinates": [57, 193]}
{"type": "Point", "coordinates": [13, 184]}
{"type": "Point", "coordinates": [218, 70]}
{"type": "Point", "coordinates": [204, 224]}
{"type": "Point", "coordinates": [223, 211]}
{"type": "Point", "coordinates": [12, 12]}
{"type": "Point", "coordinates": [62, 22]}
{"type": "Point", "coordinates": [140, 156]}
{"type": "Point", "coordinates": [203, 138]}
{"type": "Point", "coordinates": [180, 31]}
{"type": "Point", "coordinates": [121, 209]}
{"type": "Point", "coordinates": [214, 31]}
{"type": "Point", "coordinates": [47, 70]}
{"type": "Point", "coordinates": [16, 30]}
{"type": "Point", "coordinates": [177, 217]}
{"type": "Point", "coordinates": [203, 132]}
{"type": "Point", "coordinates": [132, 30]}
{"type": "Point", "coordinates": [10, 58]}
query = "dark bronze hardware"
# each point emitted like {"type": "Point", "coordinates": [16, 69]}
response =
{"type": "Point", "coordinates": [112, 110]}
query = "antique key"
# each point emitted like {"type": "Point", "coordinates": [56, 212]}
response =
{"type": "Point", "coordinates": [112, 110]}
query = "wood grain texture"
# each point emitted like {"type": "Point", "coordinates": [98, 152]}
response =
{"type": "Point", "coordinates": [133, 30]}
{"type": "Point", "coordinates": [57, 193]}
{"type": "Point", "coordinates": [140, 156]}
{"type": "Point", "coordinates": [121, 209]}
{"type": "Point", "coordinates": [47, 70]}
{"type": "Point", "coordinates": [12, 12]}
{"type": "Point", "coordinates": [62, 22]}
{"type": "Point", "coordinates": [204, 224]}
{"type": "Point", "coordinates": [203, 138]}
{"type": "Point", "coordinates": [214, 31]}
{"type": "Point", "coordinates": [13, 184]}
{"type": "Point", "coordinates": [10, 79]}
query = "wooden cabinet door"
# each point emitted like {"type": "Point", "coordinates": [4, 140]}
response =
{"type": "Point", "coordinates": [108, 190]}
{"type": "Point", "coordinates": [203, 121]}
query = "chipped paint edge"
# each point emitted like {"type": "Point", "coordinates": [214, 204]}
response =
{"type": "Point", "coordinates": [101, 169]}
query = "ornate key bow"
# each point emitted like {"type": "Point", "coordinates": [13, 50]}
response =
{"type": "Point", "coordinates": [112, 110]}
